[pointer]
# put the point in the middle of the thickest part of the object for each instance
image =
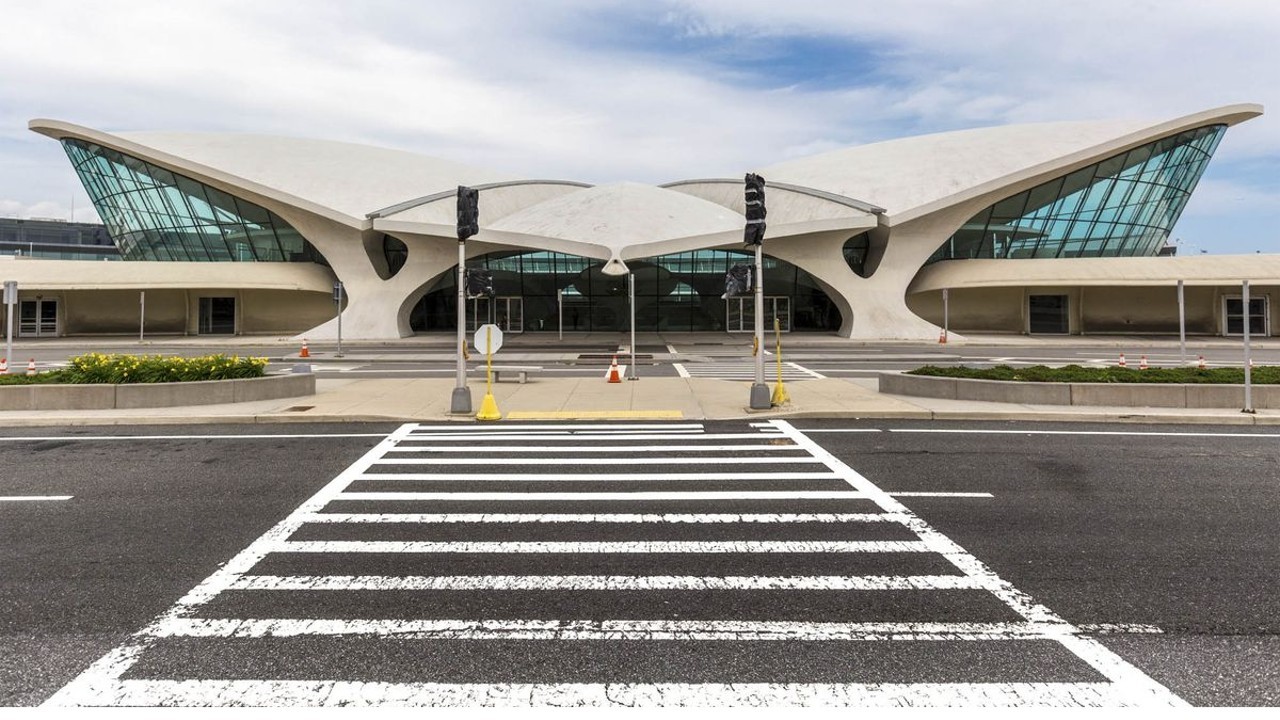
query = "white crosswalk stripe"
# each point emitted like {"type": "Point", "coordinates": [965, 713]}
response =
{"type": "Point", "coordinates": [746, 371]}
{"type": "Point", "coordinates": [712, 561]}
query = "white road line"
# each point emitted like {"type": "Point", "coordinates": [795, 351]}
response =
{"type": "Point", "coordinates": [805, 370]}
{"type": "Point", "coordinates": [1132, 682]}
{"type": "Point", "coordinates": [86, 438]}
{"type": "Point", "coordinates": [486, 461]}
{"type": "Point", "coordinates": [841, 430]}
{"type": "Point", "coordinates": [611, 427]}
{"type": "Point", "coordinates": [787, 447]}
{"type": "Point", "coordinates": [598, 477]}
{"type": "Point", "coordinates": [958, 431]}
{"type": "Point", "coordinates": [602, 582]}
{"type": "Point", "coordinates": [706, 495]}
{"type": "Point", "coordinates": [577, 437]}
{"type": "Point", "coordinates": [483, 629]}
{"type": "Point", "coordinates": [681, 370]}
{"type": "Point", "coordinates": [600, 518]}
{"type": "Point", "coordinates": [33, 498]}
{"type": "Point", "coordinates": [599, 548]}
{"type": "Point", "coordinates": [312, 693]}
{"type": "Point", "coordinates": [671, 349]}
{"type": "Point", "coordinates": [942, 494]}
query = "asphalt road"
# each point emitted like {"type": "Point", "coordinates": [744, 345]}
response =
{"type": "Point", "coordinates": [1153, 544]}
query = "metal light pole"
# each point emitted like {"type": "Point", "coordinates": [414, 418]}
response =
{"type": "Point", "coordinates": [468, 225]}
{"type": "Point", "coordinates": [631, 301]}
{"type": "Point", "coordinates": [560, 311]}
{"type": "Point", "coordinates": [1182, 325]}
{"type": "Point", "coordinates": [10, 299]}
{"type": "Point", "coordinates": [1248, 360]}
{"type": "Point", "coordinates": [337, 298]}
{"type": "Point", "coordinates": [142, 314]}
{"type": "Point", "coordinates": [946, 314]}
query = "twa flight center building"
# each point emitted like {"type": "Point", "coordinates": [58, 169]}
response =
{"type": "Point", "coordinates": [1053, 228]}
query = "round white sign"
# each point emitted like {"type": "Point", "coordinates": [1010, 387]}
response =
{"type": "Point", "coordinates": [488, 339]}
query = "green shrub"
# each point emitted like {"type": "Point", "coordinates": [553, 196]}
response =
{"type": "Point", "coordinates": [97, 368]}
{"type": "Point", "coordinates": [1111, 374]}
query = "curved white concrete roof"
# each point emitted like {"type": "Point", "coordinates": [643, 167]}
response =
{"type": "Point", "coordinates": [620, 215]}
{"type": "Point", "coordinates": [351, 179]}
{"type": "Point", "coordinates": [911, 175]}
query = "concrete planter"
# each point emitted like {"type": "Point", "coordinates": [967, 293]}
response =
{"type": "Point", "coordinates": [109, 397]}
{"type": "Point", "coordinates": [1104, 394]}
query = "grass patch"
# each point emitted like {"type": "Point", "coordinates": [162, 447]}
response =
{"type": "Point", "coordinates": [99, 369]}
{"type": "Point", "coordinates": [1079, 374]}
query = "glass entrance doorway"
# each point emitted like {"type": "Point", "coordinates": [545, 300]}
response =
{"type": "Point", "coordinates": [505, 311]}
{"type": "Point", "coordinates": [1259, 315]}
{"type": "Point", "coordinates": [1047, 315]}
{"type": "Point", "coordinates": [217, 316]}
{"type": "Point", "coordinates": [740, 313]}
{"type": "Point", "coordinates": [38, 318]}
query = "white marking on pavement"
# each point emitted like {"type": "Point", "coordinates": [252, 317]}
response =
{"type": "Point", "coordinates": [942, 494]}
{"type": "Point", "coordinates": [83, 438]}
{"type": "Point", "coordinates": [599, 477]}
{"type": "Point", "coordinates": [102, 679]}
{"type": "Point", "coordinates": [957, 431]}
{"type": "Point", "coordinates": [33, 498]}
{"type": "Point", "coordinates": [600, 518]}
{"type": "Point", "coordinates": [596, 548]}
{"type": "Point", "coordinates": [681, 370]}
{"type": "Point", "coordinates": [577, 437]}
{"type": "Point", "coordinates": [580, 428]}
{"type": "Point", "coordinates": [604, 582]}
{"type": "Point", "coordinates": [805, 370]}
{"type": "Point", "coordinates": [313, 693]}
{"type": "Point", "coordinates": [787, 447]}
{"type": "Point", "coordinates": [727, 461]}
{"type": "Point", "coordinates": [1132, 682]}
{"type": "Point", "coordinates": [525, 497]}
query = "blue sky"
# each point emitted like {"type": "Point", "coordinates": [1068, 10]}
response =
{"type": "Point", "coordinates": [600, 91]}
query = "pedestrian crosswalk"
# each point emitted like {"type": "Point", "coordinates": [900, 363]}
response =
{"type": "Point", "coordinates": [746, 371]}
{"type": "Point", "coordinates": [665, 564]}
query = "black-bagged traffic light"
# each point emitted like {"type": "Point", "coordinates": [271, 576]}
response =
{"type": "Point", "coordinates": [737, 281]}
{"type": "Point", "coordinates": [468, 212]}
{"type": "Point", "coordinates": [480, 283]}
{"type": "Point", "coordinates": [753, 234]}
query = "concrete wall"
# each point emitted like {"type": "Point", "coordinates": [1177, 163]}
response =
{"type": "Point", "coordinates": [1091, 394]}
{"type": "Point", "coordinates": [284, 311]}
{"type": "Point", "coordinates": [107, 397]}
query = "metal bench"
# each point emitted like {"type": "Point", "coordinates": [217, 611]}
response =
{"type": "Point", "coordinates": [520, 371]}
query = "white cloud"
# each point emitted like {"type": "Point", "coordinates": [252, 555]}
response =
{"type": "Point", "coordinates": [558, 88]}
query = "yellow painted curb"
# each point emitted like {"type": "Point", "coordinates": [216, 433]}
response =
{"type": "Point", "coordinates": [595, 415]}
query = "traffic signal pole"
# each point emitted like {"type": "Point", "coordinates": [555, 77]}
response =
{"type": "Point", "coordinates": [468, 224]}
{"type": "Point", "coordinates": [760, 397]}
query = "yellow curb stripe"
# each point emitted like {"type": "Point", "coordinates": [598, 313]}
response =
{"type": "Point", "coordinates": [595, 415]}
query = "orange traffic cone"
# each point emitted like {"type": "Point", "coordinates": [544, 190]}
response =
{"type": "Point", "coordinates": [614, 377]}
{"type": "Point", "coordinates": [942, 337]}
{"type": "Point", "coordinates": [4, 366]}
{"type": "Point", "coordinates": [1122, 360]}
{"type": "Point", "coordinates": [31, 366]}
{"type": "Point", "coordinates": [1142, 363]}
{"type": "Point", "coordinates": [1202, 365]}
{"type": "Point", "coordinates": [305, 352]}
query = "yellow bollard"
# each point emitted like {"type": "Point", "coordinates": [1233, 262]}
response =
{"type": "Point", "coordinates": [488, 406]}
{"type": "Point", "coordinates": [780, 396]}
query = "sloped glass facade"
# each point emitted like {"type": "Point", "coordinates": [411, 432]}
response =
{"type": "Point", "coordinates": [155, 214]}
{"type": "Point", "coordinates": [1123, 206]}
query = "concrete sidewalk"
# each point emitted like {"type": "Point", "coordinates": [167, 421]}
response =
{"type": "Point", "coordinates": [427, 400]}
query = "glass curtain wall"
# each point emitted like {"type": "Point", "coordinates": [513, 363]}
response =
{"type": "Point", "coordinates": [155, 214]}
{"type": "Point", "coordinates": [676, 293]}
{"type": "Point", "coordinates": [1123, 206]}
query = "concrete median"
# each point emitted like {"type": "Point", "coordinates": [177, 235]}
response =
{"type": "Point", "coordinates": [1084, 394]}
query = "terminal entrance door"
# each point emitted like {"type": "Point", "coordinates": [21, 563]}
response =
{"type": "Point", "coordinates": [38, 318]}
{"type": "Point", "coordinates": [505, 311]}
{"type": "Point", "coordinates": [1047, 315]}
{"type": "Point", "coordinates": [740, 313]}
{"type": "Point", "coordinates": [217, 316]}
